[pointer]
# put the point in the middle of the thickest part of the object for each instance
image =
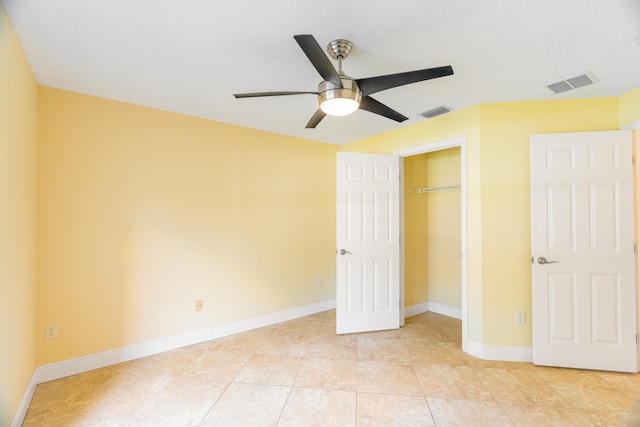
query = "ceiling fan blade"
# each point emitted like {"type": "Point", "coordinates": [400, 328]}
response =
{"type": "Point", "coordinates": [370, 85]}
{"type": "Point", "coordinates": [315, 119]}
{"type": "Point", "coordinates": [369, 104]}
{"type": "Point", "coordinates": [257, 94]}
{"type": "Point", "coordinates": [318, 58]}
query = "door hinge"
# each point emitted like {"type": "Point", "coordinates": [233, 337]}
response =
{"type": "Point", "coordinates": [633, 160]}
{"type": "Point", "coordinates": [636, 338]}
{"type": "Point", "coordinates": [635, 249]}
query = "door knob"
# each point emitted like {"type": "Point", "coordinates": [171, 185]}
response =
{"type": "Point", "coordinates": [342, 252]}
{"type": "Point", "coordinates": [543, 260]}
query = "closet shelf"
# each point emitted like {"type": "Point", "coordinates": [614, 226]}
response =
{"type": "Point", "coordinates": [433, 189]}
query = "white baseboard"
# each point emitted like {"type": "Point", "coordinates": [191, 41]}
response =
{"type": "Point", "coordinates": [433, 307]}
{"type": "Point", "coordinates": [414, 310]}
{"type": "Point", "coordinates": [445, 310]}
{"type": "Point", "coordinates": [474, 349]}
{"type": "Point", "coordinates": [21, 412]}
{"type": "Point", "coordinates": [501, 353]}
{"type": "Point", "coordinates": [485, 352]}
{"type": "Point", "coordinates": [78, 365]}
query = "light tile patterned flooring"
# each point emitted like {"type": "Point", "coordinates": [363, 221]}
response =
{"type": "Point", "coordinates": [300, 373]}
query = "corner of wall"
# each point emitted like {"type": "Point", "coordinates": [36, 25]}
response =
{"type": "Point", "coordinates": [629, 110]}
{"type": "Point", "coordinates": [18, 159]}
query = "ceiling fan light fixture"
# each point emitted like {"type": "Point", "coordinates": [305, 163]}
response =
{"type": "Point", "coordinates": [336, 101]}
{"type": "Point", "coordinates": [339, 106]}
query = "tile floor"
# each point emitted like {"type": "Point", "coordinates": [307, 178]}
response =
{"type": "Point", "coordinates": [300, 373]}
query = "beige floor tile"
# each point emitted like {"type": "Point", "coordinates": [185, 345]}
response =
{"type": "Point", "coordinates": [545, 416]}
{"type": "Point", "coordinates": [383, 350]}
{"type": "Point", "coordinates": [380, 377]}
{"type": "Point", "coordinates": [249, 342]}
{"type": "Point", "coordinates": [122, 395]}
{"type": "Point", "coordinates": [388, 410]}
{"type": "Point", "coordinates": [333, 346]}
{"type": "Point", "coordinates": [466, 413]}
{"type": "Point", "coordinates": [427, 331]}
{"type": "Point", "coordinates": [435, 320]}
{"type": "Point", "coordinates": [181, 400]}
{"type": "Point", "coordinates": [313, 407]}
{"type": "Point", "coordinates": [566, 375]}
{"type": "Point", "coordinates": [300, 327]}
{"type": "Point", "coordinates": [166, 363]}
{"type": "Point", "coordinates": [498, 364]}
{"type": "Point", "coordinates": [609, 419]}
{"type": "Point", "coordinates": [69, 415]}
{"type": "Point", "coordinates": [270, 369]}
{"type": "Point", "coordinates": [217, 365]}
{"type": "Point", "coordinates": [427, 352]}
{"type": "Point", "coordinates": [392, 334]}
{"type": "Point", "coordinates": [301, 370]}
{"type": "Point", "coordinates": [515, 387]}
{"type": "Point", "coordinates": [454, 382]}
{"type": "Point", "coordinates": [328, 374]}
{"type": "Point", "coordinates": [60, 399]}
{"type": "Point", "coordinates": [609, 398]}
{"type": "Point", "coordinates": [171, 362]}
{"type": "Point", "coordinates": [284, 344]}
{"type": "Point", "coordinates": [243, 405]}
{"type": "Point", "coordinates": [591, 390]}
{"type": "Point", "coordinates": [83, 420]}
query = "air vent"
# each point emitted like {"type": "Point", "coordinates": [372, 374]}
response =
{"type": "Point", "coordinates": [436, 111]}
{"type": "Point", "coordinates": [571, 83]}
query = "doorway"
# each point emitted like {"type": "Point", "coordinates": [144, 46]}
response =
{"type": "Point", "coordinates": [414, 274]}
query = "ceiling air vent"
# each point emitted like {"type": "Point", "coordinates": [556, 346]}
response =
{"type": "Point", "coordinates": [571, 83]}
{"type": "Point", "coordinates": [436, 111]}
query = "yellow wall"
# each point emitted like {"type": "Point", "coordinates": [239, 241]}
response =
{"type": "Point", "coordinates": [141, 212]}
{"type": "Point", "coordinates": [499, 270]}
{"type": "Point", "coordinates": [432, 229]}
{"type": "Point", "coordinates": [18, 143]}
{"type": "Point", "coordinates": [506, 217]}
{"type": "Point", "coordinates": [415, 232]}
{"type": "Point", "coordinates": [444, 228]}
{"type": "Point", "coordinates": [629, 105]}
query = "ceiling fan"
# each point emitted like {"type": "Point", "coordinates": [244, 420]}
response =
{"type": "Point", "coordinates": [339, 94]}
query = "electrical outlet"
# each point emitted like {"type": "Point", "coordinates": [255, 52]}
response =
{"type": "Point", "coordinates": [51, 331]}
{"type": "Point", "coordinates": [320, 284]}
{"type": "Point", "coordinates": [198, 305]}
{"type": "Point", "coordinates": [521, 318]}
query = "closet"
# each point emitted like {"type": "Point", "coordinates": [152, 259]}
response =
{"type": "Point", "coordinates": [433, 253]}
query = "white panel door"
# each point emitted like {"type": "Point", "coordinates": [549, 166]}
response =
{"type": "Point", "coordinates": [368, 242]}
{"type": "Point", "coordinates": [583, 264]}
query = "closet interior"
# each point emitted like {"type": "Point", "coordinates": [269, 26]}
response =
{"type": "Point", "coordinates": [433, 231]}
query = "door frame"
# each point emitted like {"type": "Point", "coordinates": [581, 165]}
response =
{"type": "Point", "coordinates": [428, 148]}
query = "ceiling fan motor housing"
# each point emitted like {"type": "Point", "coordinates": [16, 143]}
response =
{"type": "Point", "coordinates": [328, 91]}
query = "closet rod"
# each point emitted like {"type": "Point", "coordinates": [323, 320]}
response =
{"type": "Point", "coordinates": [432, 189]}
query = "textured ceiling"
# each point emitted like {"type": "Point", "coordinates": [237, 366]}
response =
{"type": "Point", "coordinates": [190, 56]}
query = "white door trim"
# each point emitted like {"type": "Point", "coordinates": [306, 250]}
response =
{"type": "Point", "coordinates": [428, 148]}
